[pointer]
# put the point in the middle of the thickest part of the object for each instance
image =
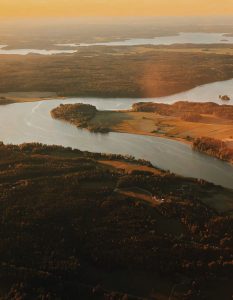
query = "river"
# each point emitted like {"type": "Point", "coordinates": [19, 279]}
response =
{"type": "Point", "coordinates": [31, 122]}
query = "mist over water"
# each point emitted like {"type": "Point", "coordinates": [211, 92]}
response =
{"type": "Point", "coordinates": [181, 38]}
{"type": "Point", "coordinates": [31, 122]}
{"type": "Point", "coordinates": [4, 51]}
{"type": "Point", "coordinates": [38, 33]}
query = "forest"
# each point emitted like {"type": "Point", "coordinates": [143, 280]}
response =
{"type": "Point", "coordinates": [98, 71]}
{"type": "Point", "coordinates": [80, 115]}
{"type": "Point", "coordinates": [69, 230]}
{"type": "Point", "coordinates": [186, 109]}
{"type": "Point", "coordinates": [213, 147]}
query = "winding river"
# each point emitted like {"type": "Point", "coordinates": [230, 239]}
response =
{"type": "Point", "coordinates": [31, 122]}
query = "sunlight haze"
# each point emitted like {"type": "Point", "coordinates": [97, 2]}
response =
{"type": "Point", "coordinates": [40, 8]}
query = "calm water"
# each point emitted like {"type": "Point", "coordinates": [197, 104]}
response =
{"type": "Point", "coordinates": [181, 38]}
{"type": "Point", "coordinates": [204, 93]}
{"type": "Point", "coordinates": [31, 122]}
{"type": "Point", "coordinates": [33, 51]}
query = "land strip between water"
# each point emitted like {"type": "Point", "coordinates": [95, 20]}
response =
{"type": "Point", "coordinates": [207, 126]}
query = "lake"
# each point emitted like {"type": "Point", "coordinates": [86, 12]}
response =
{"type": "Point", "coordinates": [181, 38]}
{"type": "Point", "coordinates": [33, 51]}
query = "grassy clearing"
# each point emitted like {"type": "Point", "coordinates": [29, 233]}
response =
{"type": "Point", "coordinates": [221, 202]}
{"type": "Point", "coordinates": [174, 127]}
{"type": "Point", "coordinates": [129, 167]}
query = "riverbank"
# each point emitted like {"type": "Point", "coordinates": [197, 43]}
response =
{"type": "Point", "coordinates": [175, 121]}
{"type": "Point", "coordinates": [21, 97]}
{"type": "Point", "coordinates": [24, 122]}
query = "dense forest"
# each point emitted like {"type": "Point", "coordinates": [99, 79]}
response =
{"type": "Point", "coordinates": [78, 114]}
{"type": "Point", "coordinates": [69, 229]}
{"type": "Point", "coordinates": [99, 71]}
{"type": "Point", "coordinates": [213, 147]}
{"type": "Point", "coordinates": [187, 110]}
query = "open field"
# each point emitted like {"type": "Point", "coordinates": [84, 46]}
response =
{"type": "Point", "coordinates": [218, 49]}
{"type": "Point", "coordinates": [101, 71]}
{"type": "Point", "coordinates": [79, 224]}
{"type": "Point", "coordinates": [178, 121]}
{"type": "Point", "coordinates": [130, 167]}
{"type": "Point", "coordinates": [168, 126]}
{"type": "Point", "coordinates": [174, 127]}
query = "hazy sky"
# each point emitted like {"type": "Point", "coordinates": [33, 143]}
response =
{"type": "Point", "coordinates": [65, 8]}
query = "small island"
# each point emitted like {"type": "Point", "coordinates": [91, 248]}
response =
{"type": "Point", "coordinates": [224, 97]}
{"type": "Point", "coordinates": [207, 126]}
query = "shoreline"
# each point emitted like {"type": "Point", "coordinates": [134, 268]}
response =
{"type": "Point", "coordinates": [177, 139]}
{"type": "Point", "coordinates": [22, 97]}
{"type": "Point", "coordinates": [36, 96]}
{"type": "Point", "coordinates": [169, 126]}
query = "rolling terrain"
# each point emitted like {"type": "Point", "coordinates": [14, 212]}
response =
{"type": "Point", "coordinates": [99, 72]}
{"type": "Point", "coordinates": [79, 225]}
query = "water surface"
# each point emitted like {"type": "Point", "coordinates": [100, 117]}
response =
{"type": "Point", "coordinates": [31, 122]}
{"type": "Point", "coordinates": [33, 51]}
{"type": "Point", "coordinates": [204, 93]}
{"type": "Point", "coordinates": [181, 38]}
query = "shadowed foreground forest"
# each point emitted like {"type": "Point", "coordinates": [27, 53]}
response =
{"type": "Point", "coordinates": [74, 226]}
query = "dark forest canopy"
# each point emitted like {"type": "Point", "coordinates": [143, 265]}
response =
{"type": "Point", "coordinates": [73, 227]}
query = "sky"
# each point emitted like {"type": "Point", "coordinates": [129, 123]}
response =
{"type": "Point", "coordinates": [73, 8]}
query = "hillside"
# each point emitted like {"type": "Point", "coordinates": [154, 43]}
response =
{"type": "Point", "coordinates": [79, 225]}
